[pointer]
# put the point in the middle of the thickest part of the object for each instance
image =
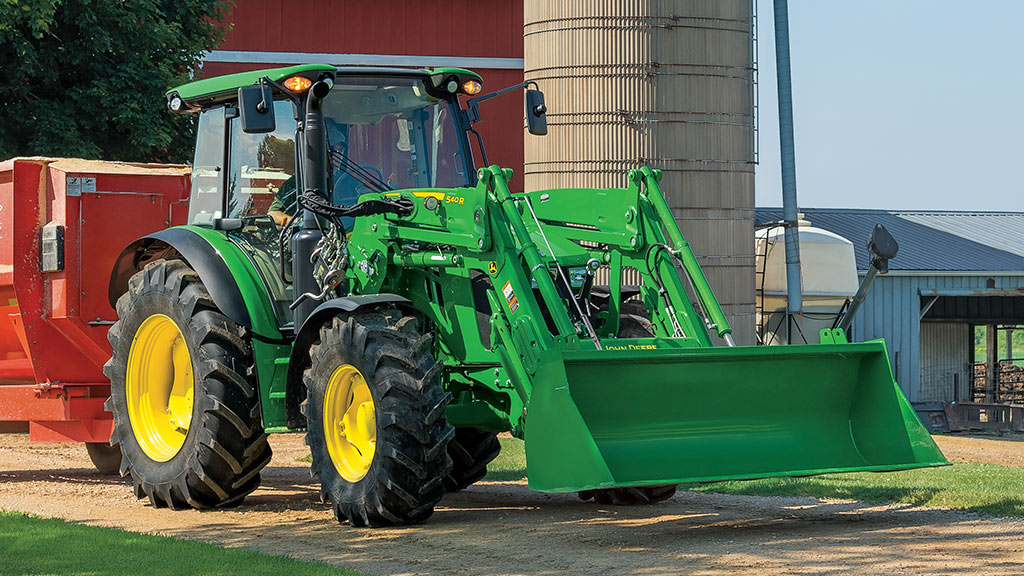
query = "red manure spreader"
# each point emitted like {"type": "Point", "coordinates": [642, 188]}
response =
{"type": "Point", "coordinates": [63, 223]}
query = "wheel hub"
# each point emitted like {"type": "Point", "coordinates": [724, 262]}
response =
{"type": "Point", "coordinates": [160, 387]}
{"type": "Point", "coordinates": [350, 423]}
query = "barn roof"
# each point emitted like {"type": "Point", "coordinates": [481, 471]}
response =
{"type": "Point", "coordinates": [940, 241]}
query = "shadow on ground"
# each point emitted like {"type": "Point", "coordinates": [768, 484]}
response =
{"type": "Point", "coordinates": [501, 527]}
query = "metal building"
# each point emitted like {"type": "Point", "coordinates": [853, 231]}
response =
{"type": "Point", "coordinates": [955, 271]}
{"type": "Point", "coordinates": [668, 83]}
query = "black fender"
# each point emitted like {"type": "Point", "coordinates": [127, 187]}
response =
{"type": "Point", "coordinates": [295, 391]}
{"type": "Point", "coordinates": [200, 255]}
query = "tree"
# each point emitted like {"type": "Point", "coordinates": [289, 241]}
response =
{"type": "Point", "coordinates": [86, 78]}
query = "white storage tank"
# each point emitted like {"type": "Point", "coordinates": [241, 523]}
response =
{"type": "Point", "coordinates": [828, 270]}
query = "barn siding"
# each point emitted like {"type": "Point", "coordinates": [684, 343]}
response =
{"type": "Point", "coordinates": [487, 28]}
{"type": "Point", "coordinates": [891, 311]}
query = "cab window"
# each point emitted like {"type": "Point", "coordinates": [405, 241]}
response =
{"type": "Point", "coordinates": [208, 169]}
{"type": "Point", "coordinates": [262, 166]}
{"type": "Point", "coordinates": [261, 181]}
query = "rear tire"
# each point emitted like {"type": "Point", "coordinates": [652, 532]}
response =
{"type": "Point", "coordinates": [106, 458]}
{"type": "Point", "coordinates": [471, 450]}
{"type": "Point", "coordinates": [375, 410]}
{"type": "Point", "coordinates": [633, 323]}
{"type": "Point", "coordinates": [216, 447]}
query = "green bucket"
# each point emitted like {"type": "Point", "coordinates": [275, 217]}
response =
{"type": "Point", "coordinates": [605, 418]}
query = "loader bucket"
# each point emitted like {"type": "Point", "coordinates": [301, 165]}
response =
{"type": "Point", "coordinates": [633, 417]}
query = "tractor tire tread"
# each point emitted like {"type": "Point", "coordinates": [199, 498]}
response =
{"type": "Point", "coordinates": [471, 450]}
{"type": "Point", "coordinates": [226, 448]}
{"type": "Point", "coordinates": [630, 496]}
{"type": "Point", "coordinates": [405, 478]}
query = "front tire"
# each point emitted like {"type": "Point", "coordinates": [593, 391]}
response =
{"type": "Point", "coordinates": [376, 419]}
{"type": "Point", "coordinates": [186, 413]}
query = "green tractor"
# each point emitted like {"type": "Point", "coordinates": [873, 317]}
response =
{"type": "Point", "coordinates": [349, 271]}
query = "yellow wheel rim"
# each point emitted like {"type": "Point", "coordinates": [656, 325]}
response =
{"type": "Point", "coordinates": [160, 388]}
{"type": "Point", "coordinates": [350, 423]}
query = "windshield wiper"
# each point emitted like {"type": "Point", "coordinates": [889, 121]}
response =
{"type": "Point", "coordinates": [363, 176]}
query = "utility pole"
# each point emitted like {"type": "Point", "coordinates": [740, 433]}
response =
{"type": "Point", "coordinates": [790, 211]}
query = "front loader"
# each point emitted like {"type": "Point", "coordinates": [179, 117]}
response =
{"type": "Point", "coordinates": [349, 271]}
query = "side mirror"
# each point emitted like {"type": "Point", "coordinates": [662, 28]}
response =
{"type": "Point", "coordinates": [536, 113]}
{"type": "Point", "coordinates": [256, 104]}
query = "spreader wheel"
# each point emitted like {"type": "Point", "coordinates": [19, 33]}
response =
{"type": "Point", "coordinates": [106, 458]}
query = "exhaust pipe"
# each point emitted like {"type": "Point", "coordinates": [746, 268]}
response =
{"type": "Point", "coordinates": [313, 177]}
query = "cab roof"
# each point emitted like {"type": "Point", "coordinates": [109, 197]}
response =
{"type": "Point", "coordinates": [210, 91]}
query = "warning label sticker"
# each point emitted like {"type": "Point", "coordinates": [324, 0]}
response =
{"type": "Point", "coordinates": [510, 297]}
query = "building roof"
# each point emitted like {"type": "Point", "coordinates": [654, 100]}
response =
{"type": "Point", "coordinates": [928, 240]}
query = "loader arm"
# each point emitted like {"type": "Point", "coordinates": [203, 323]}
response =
{"type": "Point", "coordinates": [598, 410]}
{"type": "Point", "coordinates": [517, 243]}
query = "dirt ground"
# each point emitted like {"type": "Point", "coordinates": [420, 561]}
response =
{"type": "Point", "coordinates": [504, 528]}
{"type": "Point", "coordinates": [1007, 450]}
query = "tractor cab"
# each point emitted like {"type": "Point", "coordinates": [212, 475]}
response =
{"type": "Point", "coordinates": [382, 129]}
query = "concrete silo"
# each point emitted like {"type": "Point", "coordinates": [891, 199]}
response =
{"type": "Point", "coordinates": [667, 83]}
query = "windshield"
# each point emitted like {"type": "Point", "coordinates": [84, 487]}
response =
{"type": "Point", "coordinates": [389, 133]}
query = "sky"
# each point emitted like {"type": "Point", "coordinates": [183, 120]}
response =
{"type": "Point", "coordinates": [899, 104]}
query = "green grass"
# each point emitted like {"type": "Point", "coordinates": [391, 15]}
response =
{"type": "Point", "coordinates": [972, 487]}
{"type": "Point", "coordinates": [43, 546]}
{"type": "Point", "coordinates": [510, 464]}
{"type": "Point", "coordinates": [982, 488]}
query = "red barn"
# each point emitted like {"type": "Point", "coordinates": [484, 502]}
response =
{"type": "Point", "coordinates": [485, 36]}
